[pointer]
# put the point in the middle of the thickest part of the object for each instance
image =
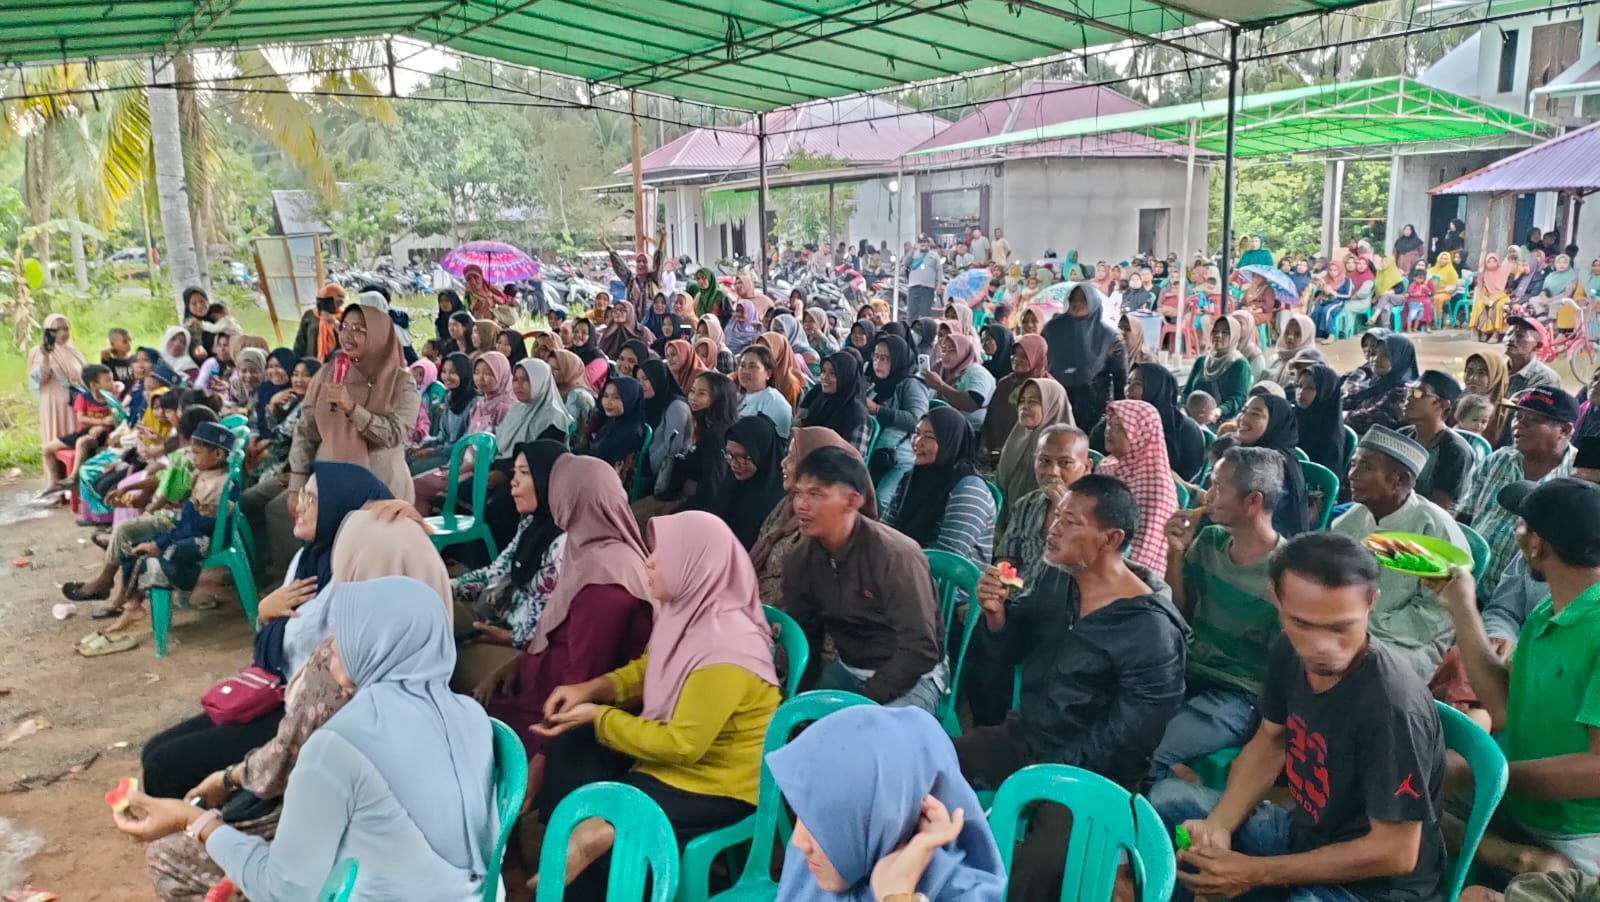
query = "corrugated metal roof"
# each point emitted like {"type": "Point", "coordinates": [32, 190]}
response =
{"type": "Point", "coordinates": [824, 128]}
{"type": "Point", "coordinates": [295, 212]}
{"type": "Point", "coordinates": [742, 54]}
{"type": "Point", "coordinates": [1568, 163]}
{"type": "Point", "coordinates": [1046, 102]}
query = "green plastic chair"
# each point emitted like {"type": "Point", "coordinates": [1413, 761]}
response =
{"type": "Point", "coordinates": [999, 496]}
{"type": "Point", "coordinates": [639, 489]}
{"type": "Point", "coordinates": [234, 420]}
{"type": "Point", "coordinates": [434, 397]}
{"type": "Point", "coordinates": [1106, 821]}
{"type": "Point", "coordinates": [1183, 495]}
{"type": "Point", "coordinates": [1480, 554]}
{"type": "Point", "coordinates": [1350, 439]}
{"type": "Point", "coordinates": [1205, 468]}
{"type": "Point", "coordinates": [1320, 478]}
{"type": "Point", "coordinates": [510, 785]}
{"type": "Point", "coordinates": [109, 398]}
{"type": "Point", "coordinates": [1094, 458]}
{"type": "Point", "coordinates": [1489, 775]}
{"type": "Point", "coordinates": [762, 829]}
{"type": "Point", "coordinates": [341, 882]}
{"type": "Point", "coordinates": [1480, 445]}
{"type": "Point", "coordinates": [451, 528]}
{"type": "Point", "coordinates": [226, 551]}
{"type": "Point", "coordinates": [645, 844]}
{"type": "Point", "coordinates": [1212, 769]}
{"type": "Point", "coordinates": [795, 647]}
{"type": "Point", "coordinates": [1302, 455]}
{"type": "Point", "coordinates": [953, 577]}
{"type": "Point", "coordinates": [872, 444]}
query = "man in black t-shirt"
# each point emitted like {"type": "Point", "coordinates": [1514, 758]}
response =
{"type": "Point", "coordinates": [1450, 458]}
{"type": "Point", "coordinates": [1356, 736]}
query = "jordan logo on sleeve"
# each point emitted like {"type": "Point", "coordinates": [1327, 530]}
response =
{"type": "Point", "coordinates": [1406, 789]}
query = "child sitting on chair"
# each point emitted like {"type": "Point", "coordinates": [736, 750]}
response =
{"type": "Point", "coordinates": [170, 559]}
{"type": "Point", "coordinates": [94, 423]}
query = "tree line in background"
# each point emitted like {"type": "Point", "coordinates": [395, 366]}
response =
{"type": "Point", "coordinates": [469, 159]}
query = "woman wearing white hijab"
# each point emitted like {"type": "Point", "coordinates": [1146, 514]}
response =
{"type": "Point", "coordinates": [176, 355]}
{"type": "Point", "coordinates": [401, 779]}
{"type": "Point", "coordinates": [541, 411]}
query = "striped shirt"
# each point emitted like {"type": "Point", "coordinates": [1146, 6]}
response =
{"type": "Point", "coordinates": [1494, 523]}
{"type": "Point", "coordinates": [1233, 620]}
{"type": "Point", "coordinates": [968, 526]}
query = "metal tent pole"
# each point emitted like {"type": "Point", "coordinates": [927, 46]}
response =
{"type": "Point", "coordinates": [1188, 214]}
{"type": "Point", "coordinates": [761, 196]}
{"type": "Point", "coordinates": [1227, 167]}
{"type": "Point", "coordinates": [899, 194]}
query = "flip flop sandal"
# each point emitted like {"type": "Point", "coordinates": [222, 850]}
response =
{"type": "Point", "coordinates": [106, 614]}
{"type": "Point", "coordinates": [97, 645]}
{"type": "Point", "coordinates": [73, 591]}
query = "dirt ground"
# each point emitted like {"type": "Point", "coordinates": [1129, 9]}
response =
{"type": "Point", "coordinates": [70, 727]}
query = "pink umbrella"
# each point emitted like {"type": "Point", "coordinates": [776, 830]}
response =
{"type": "Point", "coordinates": [500, 261]}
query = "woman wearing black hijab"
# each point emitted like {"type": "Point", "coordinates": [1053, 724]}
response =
{"type": "Point", "coordinates": [946, 505]}
{"type": "Point", "coordinates": [587, 349]}
{"type": "Point", "coordinates": [1268, 421]}
{"type": "Point", "coordinates": [516, 349]}
{"type": "Point", "coordinates": [1321, 422]}
{"type": "Point", "coordinates": [458, 322]}
{"type": "Point", "coordinates": [666, 412]}
{"type": "Point", "coordinates": [997, 341]}
{"type": "Point", "coordinates": [755, 483]}
{"type": "Point", "coordinates": [1153, 384]}
{"type": "Point", "coordinates": [837, 401]}
{"type": "Point", "coordinates": [1382, 401]}
{"type": "Point", "coordinates": [897, 399]}
{"type": "Point", "coordinates": [862, 335]}
{"type": "Point", "coordinates": [449, 305]}
{"type": "Point", "coordinates": [1085, 354]}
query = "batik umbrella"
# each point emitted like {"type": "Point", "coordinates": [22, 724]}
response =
{"type": "Point", "coordinates": [1279, 280]}
{"type": "Point", "coordinates": [501, 263]}
{"type": "Point", "coordinates": [969, 287]}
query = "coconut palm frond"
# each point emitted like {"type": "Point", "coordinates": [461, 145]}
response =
{"type": "Point", "coordinates": [279, 117]}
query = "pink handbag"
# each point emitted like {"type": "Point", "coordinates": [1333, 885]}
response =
{"type": "Point", "coordinates": [243, 697]}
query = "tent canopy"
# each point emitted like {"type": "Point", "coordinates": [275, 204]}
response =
{"type": "Point", "coordinates": [1373, 112]}
{"type": "Point", "coordinates": [1566, 163]}
{"type": "Point", "coordinates": [743, 54]}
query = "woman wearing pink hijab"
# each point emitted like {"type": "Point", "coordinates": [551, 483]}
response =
{"type": "Point", "coordinates": [705, 689]}
{"type": "Point", "coordinates": [1136, 454]}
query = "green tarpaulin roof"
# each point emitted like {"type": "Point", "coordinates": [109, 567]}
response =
{"type": "Point", "coordinates": [743, 54]}
{"type": "Point", "coordinates": [1379, 111]}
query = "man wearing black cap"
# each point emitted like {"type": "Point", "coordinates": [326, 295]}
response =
{"type": "Point", "coordinates": [1522, 358]}
{"type": "Point", "coordinates": [1450, 460]}
{"type": "Point", "coordinates": [1546, 701]}
{"type": "Point", "coordinates": [1382, 474]}
{"type": "Point", "coordinates": [1541, 448]}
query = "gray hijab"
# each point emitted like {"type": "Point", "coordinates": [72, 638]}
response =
{"type": "Point", "coordinates": [435, 749]}
{"type": "Point", "coordinates": [786, 325]}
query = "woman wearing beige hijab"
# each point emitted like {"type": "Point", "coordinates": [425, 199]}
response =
{"type": "Point", "coordinates": [54, 367]}
{"type": "Point", "coordinates": [1299, 334]}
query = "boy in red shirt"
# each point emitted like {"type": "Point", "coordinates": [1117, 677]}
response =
{"type": "Point", "coordinates": [94, 422]}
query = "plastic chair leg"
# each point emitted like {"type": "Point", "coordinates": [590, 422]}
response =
{"type": "Point", "coordinates": [160, 601]}
{"type": "Point", "coordinates": [243, 582]}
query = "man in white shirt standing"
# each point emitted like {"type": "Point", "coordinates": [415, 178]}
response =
{"type": "Point", "coordinates": [979, 246]}
{"type": "Point", "coordinates": [926, 267]}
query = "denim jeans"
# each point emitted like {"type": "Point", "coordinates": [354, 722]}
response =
{"type": "Point", "coordinates": [1211, 720]}
{"type": "Point", "coordinates": [924, 694]}
{"type": "Point", "coordinates": [1265, 832]}
{"type": "Point", "coordinates": [888, 484]}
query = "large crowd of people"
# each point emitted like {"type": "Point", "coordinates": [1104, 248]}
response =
{"type": "Point", "coordinates": [1190, 574]}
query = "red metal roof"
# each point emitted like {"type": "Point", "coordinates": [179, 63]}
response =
{"type": "Point", "coordinates": [1564, 163]}
{"type": "Point", "coordinates": [1047, 102]}
{"type": "Point", "coordinates": [830, 128]}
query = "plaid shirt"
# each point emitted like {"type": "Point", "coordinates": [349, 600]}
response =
{"type": "Point", "coordinates": [1496, 524]}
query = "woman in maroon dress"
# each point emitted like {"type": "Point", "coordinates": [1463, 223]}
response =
{"type": "Point", "coordinates": [597, 618]}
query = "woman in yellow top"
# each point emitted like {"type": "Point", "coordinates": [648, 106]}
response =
{"type": "Point", "coordinates": [1446, 282]}
{"type": "Point", "coordinates": [705, 689]}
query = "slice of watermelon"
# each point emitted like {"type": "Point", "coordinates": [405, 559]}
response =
{"type": "Point", "coordinates": [222, 892]}
{"type": "Point", "coordinates": [118, 798]}
{"type": "Point", "coordinates": [1009, 575]}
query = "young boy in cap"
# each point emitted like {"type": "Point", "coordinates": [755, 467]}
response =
{"type": "Point", "coordinates": [1444, 478]}
{"type": "Point", "coordinates": [1383, 477]}
{"type": "Point", "coordinates": [171, 559]}
{"type": "Point", "coordinates": [1541, 448]}
{"type": "Point", "coordinates": [1544, 702]}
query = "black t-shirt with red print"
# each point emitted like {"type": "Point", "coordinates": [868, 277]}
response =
{"type": "Point", "coordinates": [1370, 747]}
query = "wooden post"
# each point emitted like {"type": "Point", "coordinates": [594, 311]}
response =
{"type": "Point", "coordinates": [639, 230]}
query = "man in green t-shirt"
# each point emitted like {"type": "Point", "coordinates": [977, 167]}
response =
{"type": "Point", "coordinates": [1545, 704]}
{"type": "Point", "coordinates": [1219, 581]}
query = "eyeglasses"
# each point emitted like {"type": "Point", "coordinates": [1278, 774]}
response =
{"type": "Point", "coordinates": [306, 498]}
{"type": "Point", "coordinates": [1419, 392]}
{"type": "Point", "coordinates": [347, 328]}
{"type": "Point", "coordinates": [736, 458]}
